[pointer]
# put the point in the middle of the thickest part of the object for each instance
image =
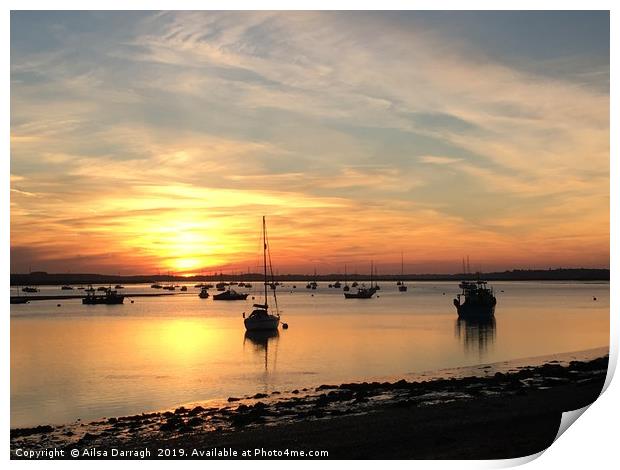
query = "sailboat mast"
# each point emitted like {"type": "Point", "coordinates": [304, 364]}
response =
{"type": "Point", "coordinates": [265, 258]}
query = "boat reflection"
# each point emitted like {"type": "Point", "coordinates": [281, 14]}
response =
{"type": "Point", "coordinates": [261, 340]}
{"type": "Point", "coordinates": [476, 335]}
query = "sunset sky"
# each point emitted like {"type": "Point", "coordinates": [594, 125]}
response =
{"type": "Point", "coordinates": [146, 141]}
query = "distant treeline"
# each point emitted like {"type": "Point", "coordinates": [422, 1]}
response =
{"type": "Point", "coordinates": [581, 274]}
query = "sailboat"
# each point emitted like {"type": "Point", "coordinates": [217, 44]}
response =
{"type": "Point", "coordinates": [363, 292]}
{"type": "Point", "coordinates": [346, 285]}
{"type": "Point", "coordinates": [260, 318]}
{"type": "Point", "coordinates": [401, 284]}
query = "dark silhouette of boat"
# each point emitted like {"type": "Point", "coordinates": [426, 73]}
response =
{"type": "Point", "coordinates": [156, 286]}
{"type": "Point", "coordinates": [184, 288]}
{"type": "Point", "coordinates": [204, 293]}
{"type": "Point", "coordinates": [230, 294]}
{"type": "Point", "coordinates": [66, 288]}
{"type": "Point", "coordinates": [363, 292]}
{"type": "Point", "coordinates": [401, 284]}
{"type": "Point", "coordinates": [118, 286]}
{"type": "Point", "coordinates": [30, 289]}
{"type": "Point", "coordinates": [19, 299]}
{"type": "Point", "coordinates": [476, 301]}
{"type": "Point", "coordinates": [260, 319]}
{"type": "Point", "coordinates": [111, 297]}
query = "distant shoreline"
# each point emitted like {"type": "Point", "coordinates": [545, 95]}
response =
{"type": "Point", "coordinates": [43, 278]}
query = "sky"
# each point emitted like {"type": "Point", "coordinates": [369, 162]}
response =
{"type": "Point", "coordinates": [146, 142]}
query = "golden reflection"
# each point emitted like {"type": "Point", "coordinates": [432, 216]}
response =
{"type": "Point", "coordinates": [260, 341]}
{"type": "Point", "coordinates": [477, 335]}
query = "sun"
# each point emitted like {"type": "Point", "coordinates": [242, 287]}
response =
{"type": "Point", "coordinates": [185, 264]}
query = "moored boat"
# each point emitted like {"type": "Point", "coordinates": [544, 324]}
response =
{"type": "Point", "coordinates": [204, 293]}
{"type": "Point", "coordinates": [230, 294]}
{"type": "Point", "coordinates": [109, 298]}
{"type": "Point", "coordinates": [260, 319]}
{"type": "Point", "coordinates": [476, 301]}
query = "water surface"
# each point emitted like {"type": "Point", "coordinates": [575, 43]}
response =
{"type": "Point", "coordinates": [78, 361]}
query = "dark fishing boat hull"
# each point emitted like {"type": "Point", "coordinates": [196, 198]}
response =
{"type": "Point", "coordinates": [476, 310]}
{"type": "Point", "coordinates": [103, 300]}
{"type": "Point", "coordinates": [227, 296]}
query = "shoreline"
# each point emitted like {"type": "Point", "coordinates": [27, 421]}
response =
{"type": "Point", "coordinates": [311, 414]}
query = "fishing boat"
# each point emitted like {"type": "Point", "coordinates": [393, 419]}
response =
{"type": "Point", "coordinates": [170, 287]}
{"type": "Point", "coordinates": [260, 319]}
{"type": "Point", "coordinates": [230, 294]}
{"type": "Point", "coordinates": [118, 286]}
{"type": "Point", "coordinates": [204, 293]}
{"type": "Point", "coordinates": [110, 297]}
{"type": "Point", "coordinates": [30, 289]}
{"type": "Point", "coordinates": [363, 292]}
{"type": "Point", "coordinates": [156, 286]}
{"type": "Point", "coordinates": [401, 284]}
{"type": "Point", "coordinates": [66, 288]}
{"type": "Point", "coordinates": [183, 288]}
{"type": "Point", "coordinates": [476, 301]}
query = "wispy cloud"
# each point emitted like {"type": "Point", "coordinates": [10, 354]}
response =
{"type": "Point", "coordinates": [197, 122]}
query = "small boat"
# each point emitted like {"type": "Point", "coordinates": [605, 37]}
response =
{"type": "Point", "coordinates": [346, 287]}
{"type": "Point", "coordinates": [66, 288]}
{"type": "Point", "coordinates": [30, 289]}
{"type": "Point", "coordinates": [199, 286]}
{"type": "Point", "coordinates": [476, 301]}
{"type": "Point", "coordinates": [363, 292]}
{"type": "Point", "coordinates": [204, 293]}
{"type": "Point", "coordinates": [90, 289]}
{"type": "Point", "coordinates": [156, 286]}
{"type": "Point", "coordinates": [19, 299]}
{"type": "Point", "coordinates": [118, 286]}
{"type": "Point", "coordinates": [102, 288]}
{"type": "Point", "coordinates": [248, 285]}
{"type": "Point", "coordinates": [170, 287]}
{"type": "Point", "coordinates": [401, 284]}
{"type": "Point", "coordinates": [230, 294]}
{"type": "Point", "coordinates": [337, 285]}
{"type": "Point", "coordinates": [260, 319]}
{"type": "Point", "coordinates": [355, 284]}
{"type": "Point", "coordinates": [109, 298]}
{"type": "Point", "coordinates": [183, 288]}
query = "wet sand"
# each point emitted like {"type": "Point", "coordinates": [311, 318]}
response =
{"type": "Point", "coordinates": [505, 415]}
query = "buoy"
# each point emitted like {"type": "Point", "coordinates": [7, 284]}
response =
{"type": "Point", "coordinates": [132, 301]}
{"type": "Point", "coordinates": [593, 298]}
{"type": "Point", "coordinates": [285, 326]}
{"type": "Point", "coordinates": [58, 305]}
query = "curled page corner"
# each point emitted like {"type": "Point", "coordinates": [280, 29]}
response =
{"type": "Point", "coordinates": [568, 418]}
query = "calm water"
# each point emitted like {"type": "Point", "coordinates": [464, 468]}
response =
{"type": "Point", "coordinates": [87, 362]}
